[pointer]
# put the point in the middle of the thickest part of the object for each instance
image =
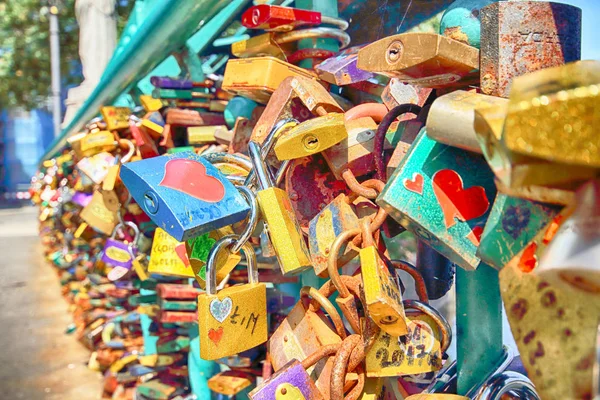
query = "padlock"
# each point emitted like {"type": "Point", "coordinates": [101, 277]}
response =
{"type": "Point", "coordinates": [442, 194]}
{"type": "Point", "coordinates": [153, 124]}
{"type": "Point", "coordinates": [178, 117]}
{"type": "Point", "coordinates": [517, 38]}
{"type": "Point", "coordinates": [165, 258]}
{"type": "Point", "coordinates": [275, 207]}
{"type": "Point", "coordinates": [230, 383]}
{"type": "Point", "coordinates": [290, 382]}
{"type": "Point", "coordinates": [555, 327]}
{"type": "Point", "coordinates": [96, 167]}
{"type": "Point", "coordinates": [145, 144]}
{"type": "Point", "coordinates": [512, 225]}
{"type": "Point", "coordinates": [171, 83]}
{"type": "Point", "coordinates": [382, 295]}
{"type": "Point", "coordinates": [311, 137]}
{"type": "Point", "coordinates": [341, 69]}
{"type": "Point", "coordinates": [296, 97]}
{"type": "Point", "coordinates": [524, 176]}
{"type": "Point", "coordinates": [151, 104]}
{"type": "Point", "coordinates": [541, 98]}
{"type": "Point", "coordinates": [233, 319]}
{"type": "Point", "coordinates": [184, 194]}
{"type": "Point", "coordinates": [304, 330]}
{"type": "Point", "coordinates": [423, 59]}
{"type": "Point", "coordinates": [262, 46]}
{"type": "Point", "coordinates": [96, 215]}
{"type": "Point", "coordinates": [205, 134]}
{"type": "Point", "coordinates": [397, 93]}
{"type": "Point", "coordinates": [257, 78]}
{"type": "Point", "coordinates": [427, 339]}
{"type": "Point", "coordinates": [113, 191]}
{"type": "Point", "coordinates": [337, 217]}
{"type": "Point", "coordinates": [198, 248]}
{"type": "Point", "coordinates": [283, 19]}
{"type": "Point", "coordinates": [451, 116]}
{"type": "Point", "coordinates": [120, 254]}
{"type": "Point", "coordinates": [116, 118]}
{"type": "Point", "coordinates": [572, 258]}
{"type": "Point", "coordinates": [155, 390]}
{"type": "Point", "coordinates": [97, 142]}
{"type": "Point", "coordinates": [310, 186]}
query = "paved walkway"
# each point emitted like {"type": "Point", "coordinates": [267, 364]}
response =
{"type": "Point", "coordinates": [37, 359]}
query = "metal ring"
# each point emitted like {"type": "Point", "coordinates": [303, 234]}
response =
{"type": "Point", "coordinates": [337, 22]}
{"type": "Point", "coordinates": [211, 260]}
{"type": "Point", "coordinates": [327, 306]}
{"type": "Point", "coordinates": [314, 33]}
{"type": "Point", "coordinates": [132, 226]}
{"type": "Point", "coordinates": [504, 382]}
{"type": "Point", "coordinates": [252, 219]}
{"type": "Point", "coordinates": [439, 319]}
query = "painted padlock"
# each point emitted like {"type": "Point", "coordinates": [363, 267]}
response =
{"type": "Point", "coordinates": [290, 382]}
{"type": "Point", "coordinates": [442, 194]}
{"type": "Point", "coordinates": [120, 254]}
{"type": "Point", "coordinates": [168, 256]}
{"type": "Point", "coordinates": [234, 319]}
{"type": "Point", "coordinates": [184, 194]}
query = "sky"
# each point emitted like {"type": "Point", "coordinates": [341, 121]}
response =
{"type": "Point", "coordinates": [590, 36]}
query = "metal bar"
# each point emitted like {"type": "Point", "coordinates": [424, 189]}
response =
{"type": "Point", "coordinates": [164, 30]}
{"type": "Point", "coordinates": [478, 325]}
{"type": "Point", "coordinates": [55, 70]}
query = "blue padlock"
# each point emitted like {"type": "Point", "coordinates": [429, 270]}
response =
{"type": "Point", "coordinates": [184, 194]}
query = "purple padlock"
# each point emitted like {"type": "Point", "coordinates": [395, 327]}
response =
{"type": "Point", "coordinates": [81, 198]}
{"type": "Point", "coordinates": [342, 70]}
{"type": "Point", "coordinates": [163, 82]}
{"type": "Point", "coordinates": [291, 377]}
{"type": "Point", "coordinates": [119, 254]}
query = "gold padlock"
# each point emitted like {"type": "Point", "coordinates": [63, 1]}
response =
{"type": "Point", "coordinates": [382, 296]}
{"type": "Point", "coordinates": [96, 215]}
{"type": "Point", "coordinates": [234, 319]}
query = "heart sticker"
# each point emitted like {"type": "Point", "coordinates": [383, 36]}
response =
{"type": "Point", "coordinates": [189, 177]}
{"type": "Point", "coordinates": [457, 202]}
{"type": "Point", "coordinates": [416, 184]}
{"type": "Point", "coordinates": [220, 310]}
{"type": "Point", "coordinates": [528, 260]}
{"type": "Point", "coordinates": [215, 335]}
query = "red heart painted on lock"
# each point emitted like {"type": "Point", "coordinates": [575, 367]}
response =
{"type": "Point", "coordinates": [457, 202]}
{"type": "Point", "coordinates": [189, 177]}
{"type": "Point", "coordinates": [215, 335]}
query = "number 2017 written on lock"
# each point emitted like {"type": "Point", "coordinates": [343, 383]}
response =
{"type": "Point", "coordinates": [416, 352]}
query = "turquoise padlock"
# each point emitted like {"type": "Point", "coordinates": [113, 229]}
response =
{"type": "Point", "coordinates": [512, 225]}
{"type": "Point", "coordinates": [444, 195]}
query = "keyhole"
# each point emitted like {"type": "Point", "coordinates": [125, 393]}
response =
{"type": "Point", "coordinates": [151, 202]}
{"type": "Point", "coordinates": [394, 52]}
{"type": "Point", "coordinates": [311, 142]}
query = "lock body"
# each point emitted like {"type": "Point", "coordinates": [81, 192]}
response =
{"type": "Point", "coordinates": [341, 69]}
{"type": "Point", "coordinates": [164, 258]}
{"type": "Point", "coordinates": [233, 320]}
{"type": "Point", "coordinates": [442, 194]}
{"type": "Point", "coordinates": [184, 194]}
{"type": "Point", "coordinates": [116, 118]}
{"type": "Point", "coordinates": [525, 37]}
{"type": "Point", "coordinates": [258, 77]}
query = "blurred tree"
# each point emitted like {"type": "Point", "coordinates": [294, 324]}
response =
{"type": "Point", "coordinates": [25, 49]}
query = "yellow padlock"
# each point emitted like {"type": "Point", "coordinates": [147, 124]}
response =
{"type": "Point", "coordinates": [96, 215]}
{"type": "Point", "coordinates": [382, 296]}
{"type": "Point", "coordinates": [151, 104]}
{"type": "Point", "coordinates": [276, 209]}
{"type": "Point", "coordinates": [116, 118]}
{"type": "Point", "coordinates": [97, 142]}
{"type": "Point", "coordinates": [311, 137]}
{"type": "Point", "coordinates": [167, 256]}
{"type": "Point", "coordinates": [234, 319]}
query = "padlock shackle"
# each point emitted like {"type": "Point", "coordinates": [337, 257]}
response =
{"type": "Point", "coordinates": [130, 224]}
{"type": "Point", "coordinates": [308, 291]}
{"type": "Point", "coordinates": [211, 261]}
{"type": "Point", "coordinates": [420, 286]}
{"type": "Point", "coordinates": [351, 351]}
{"type": "Point", "coordinates": [504, 382]}
{"type": "Point", "coordinates": [130, 151]}
{"type": "Point", "coordinates": [313, 33]}
{"type": "Point", "coordinates": [260, 166]}
{"type": "Point", "coordinates": [332, 267]}
{"type": "Point", "coordinates": [253, 217]}
{"type": "Point", "coordinates": [235, 159]}
{"type": "Point", "coordinates": [441, 322]}
{"type": "Point", "coordinates": [269, 142]}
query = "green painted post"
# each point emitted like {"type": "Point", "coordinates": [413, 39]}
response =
{"type": "Point", "coordinates": [478, 325]}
